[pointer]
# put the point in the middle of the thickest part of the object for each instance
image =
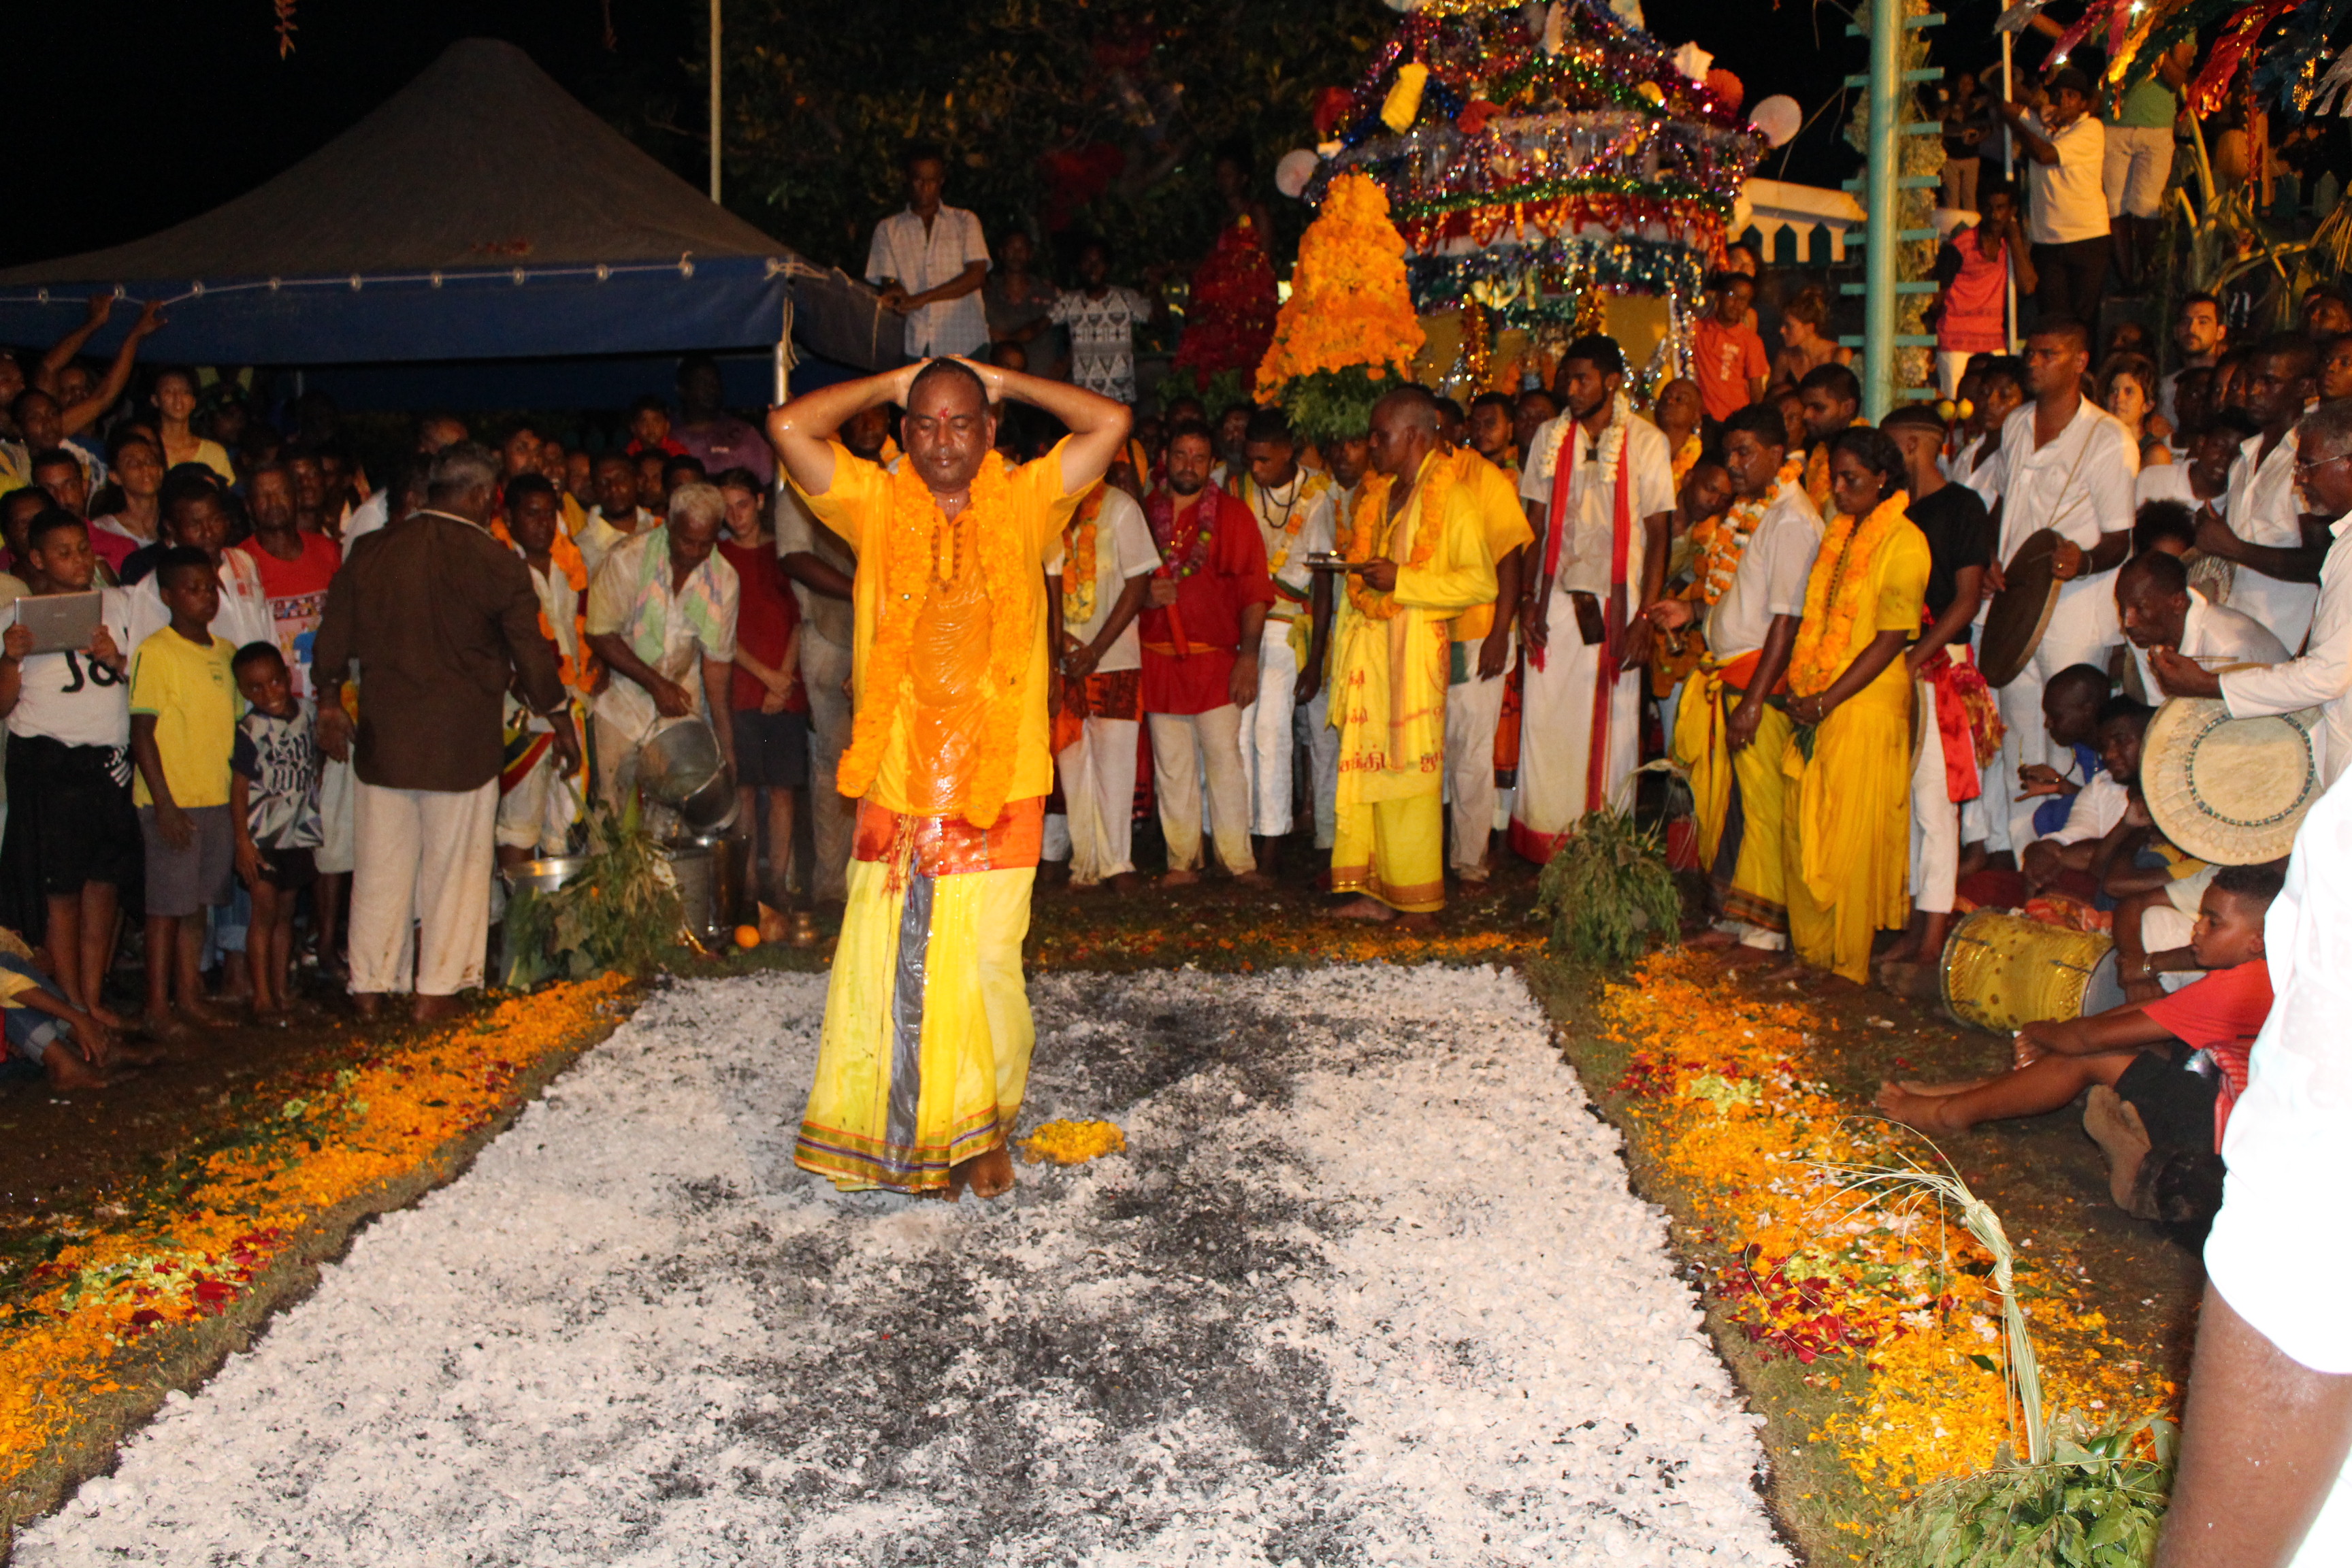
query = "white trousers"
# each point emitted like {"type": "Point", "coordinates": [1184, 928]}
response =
{"type": "Point", "coordinates": [1270, 744]}
{"type": "Point", "coordinates": [1472, 709]}
{"type": "Point", "coordinates": [1098, 796]}
{"type": "Point", "coordinates": [423, 860]}
{"type": "Point", "coordinates": [1556, 730]}
{"type": "Point", "coordinates": [1934, 817]}
{"type": "Point", "coordinates": [337, 784]}
{"type": "Point", "coordinates": [2078, 633]}
{"type": "Point", "coordinates": [1183, 746]}
{"type": "Point", "coordinates": [538, 814]}
{"type": "Point", "coordinates": [1313, 726]}
{"type": "Point", "coordinates": [832, 816]}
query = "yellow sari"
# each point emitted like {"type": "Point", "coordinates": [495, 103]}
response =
{"type": "Point", "coordinates": [1847, 822]}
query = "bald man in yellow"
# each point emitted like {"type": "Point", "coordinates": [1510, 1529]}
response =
{"type": "Point", "coordinates": [1416, 538]}
{"type": "Point", "coordinates": [925, 1052]}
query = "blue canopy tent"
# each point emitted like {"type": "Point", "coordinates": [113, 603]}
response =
{"type": "Point", "coordinates": [480, 213]}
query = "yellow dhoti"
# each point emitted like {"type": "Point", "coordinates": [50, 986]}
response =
{"type": "Point", "coordinates": [1392, 849]}
{"type": "Point", "coordinates": [1739, 796]}
{"type": "Point", "coordinates": [925, 1055]}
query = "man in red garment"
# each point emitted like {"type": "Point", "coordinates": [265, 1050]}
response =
{"type": "Point", "coordinates": [1201, 626]}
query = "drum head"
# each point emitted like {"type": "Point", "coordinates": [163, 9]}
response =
{"type": "Point", "coordinates": [2019, 612]}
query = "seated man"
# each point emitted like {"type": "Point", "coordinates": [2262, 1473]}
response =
{"type": "Point", "coordinates": [2177, 1063]}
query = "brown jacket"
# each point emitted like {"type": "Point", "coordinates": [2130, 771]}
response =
{"type": "Point", "coordinates": [439, 618]}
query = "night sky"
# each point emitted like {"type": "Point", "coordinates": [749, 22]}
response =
{"type": "Point", "coordinates": [154, 111]}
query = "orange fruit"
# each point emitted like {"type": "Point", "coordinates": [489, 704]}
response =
{"type": "Point", "coordinates": [747, 937]}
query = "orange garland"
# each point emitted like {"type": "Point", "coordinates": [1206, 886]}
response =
{"type": "Point", "coordinates": [1721, 541]}
{"type": "Point", "coordinates": [1079, 540]}
{"type": "Point", "coordinates": [1367, 535]}
{"type": "Point", "coordinates": [907, 549]}
{"type": "Point", "coordinates": [1834, 600]}
{"type": "Point", "coordinates": [565, 557]}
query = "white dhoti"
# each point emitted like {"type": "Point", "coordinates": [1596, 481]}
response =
{"type": "Point", "coordinates": [1556, 737]}
{"type": "Point", "coordinates": [1473, 707]}
{"type": "Point", "coordinates": [1098, 800]}
{"type": "Point", "coordinates": [1935, 815]}
{"type": "Point", "coordinates": [1268, 743]}
{"type": "Point", "coordinates": [2083, 630]}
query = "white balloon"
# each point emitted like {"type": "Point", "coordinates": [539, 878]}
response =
{"type": "Point", "coordinates": [1779, 118]}
{"type": "Point", "coordinates": [1298, 167]}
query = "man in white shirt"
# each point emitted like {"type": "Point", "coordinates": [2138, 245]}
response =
{"type": "Point", "coordinates": [616, 517]}
{"type": "Point", "coordinates": [195, 513]}
{"type": "Point", "coordinates": [1594, 570]}
{"type": "Point", "coordinates": [2066, 465]}
{"type": "Point", "coordinates": [2197, 334]}
{"type": "Point", "coordinates": [1293, 509]}
{"type": "Point", "coordinates": [2199, 477]}
{"type": "Point", "coordinates": [930, 262]}
{"type": "Point", "coordinates": [434, 431]}
{"type": "Point", "coordinates": [2159, 609]}
{"type": "Point", "coordinates": [2067, 152]}
{"type": "Point", "coordinates": [2263, 1479]}
{"type": "Point", "coordinates": [1102, 664]}
{"type": "Point", "coordinates": [2277, 549]}
{"type": "Point", "coordinates": [2322, 678]}
{"type": "Point", "coordinates": [1727, 722]}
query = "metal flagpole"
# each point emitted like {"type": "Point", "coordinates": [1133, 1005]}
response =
{"type": "Point", "coordinates": [714, 100]}
{"type": "Point", "coordinates": [1882, 183]}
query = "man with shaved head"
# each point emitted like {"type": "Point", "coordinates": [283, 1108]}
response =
{"type": "Point", "coordinates": [1416, 542]}
{"type": "Point", "coordinates": [925, 1055]}
{"type": "Point", "coordinates": [2159, 609]}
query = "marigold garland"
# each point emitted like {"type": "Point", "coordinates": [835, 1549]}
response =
{"type": "Point", "coordinates": [1837, 599]}
{"type": "Point", "coordinates": [1072, 1143]}
{"type": "Point", "coordinates": [104, 1291]}
{"type": "Point", "coordinates": [1372, 532]}
{"type": "Point", "coordinates": [1721, 541]}
{"type": "Point", "coordinates": [579, 674]}
{"type": "Point", "coordinates": [1078, 565]}
{"type": "Point", "coordinates": [909, 548]}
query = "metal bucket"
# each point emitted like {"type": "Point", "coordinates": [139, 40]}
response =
{"type": "Point", "coordinates": [728, 858]}
{"type": "Point", "coordinates": [710, 810]}
{"type": "Point", "coordinates": [678, 758]}
{"type": "Point", "coordinates": [546, 876]}
{"type": "Point", "coordinates": [694, 867]}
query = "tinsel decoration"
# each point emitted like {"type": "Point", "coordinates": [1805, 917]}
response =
{"type": "Point", "coordinates": [1477, 345]}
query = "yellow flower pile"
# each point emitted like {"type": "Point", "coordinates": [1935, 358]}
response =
{"type": "Point", "coordinates": [1072, 1143]}
{"type": "Point", "coordinates": [1727, 1096]}
{"type": "Point", "coordinates": [1349, 305]}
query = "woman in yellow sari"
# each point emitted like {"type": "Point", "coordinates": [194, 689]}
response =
{"type": "Point", "coordinates": [1847, 828]}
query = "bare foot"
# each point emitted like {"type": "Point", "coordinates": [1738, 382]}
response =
{"type": "Point", "coordinates": [369, 1003]}
{"type": "Point", "coordinates": [1125, 882]}
{"type": "Point", "coordinates": [1368, 909]}
{"type": "Point", "coordinates": [163, 1025]}
{"type": "Point", "coordinates": [433, 1010]}
{"type": "Point", "coordinates": [66, 1070]}
{"type": "Point", "coordinates": [1254, 877]}
{"type": "Point", "coordinates": [1905, 950]}
{"type": "Point", "coordinates": [1793, 970]}
{"type": "Point", "coordinates": [1911, 1087]}
{"type": "Point", "coordinates": [1713, 938]}
{"type": "Point", "coordinates": [1076, 888]}
{"type": "Point", "coordinates": [989, 1175]}
{"type": "Point", "coordinates": [204, 1017]}
{"type": "Point", "coordinates": [1178, 878]}
{"type": "Point", "coordinates": [2114, 1125]}
{"type": "Point", "coordinates": [108, 1016]}
{"type": "Point", "coordinates": [137, 1056]}
{"type": "Point", "coordinates": [1417, 919]}
{"type": "Point", "coordinates": [1924, 1111]}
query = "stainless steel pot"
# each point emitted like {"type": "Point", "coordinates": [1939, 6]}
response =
{"type": "Point", "coordinates": [546, 875]}
{"type": "Point", "coordinates": [679, 758]}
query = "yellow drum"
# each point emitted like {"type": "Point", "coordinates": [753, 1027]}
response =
{"type": "Point", "coordinates": [2002, 972]}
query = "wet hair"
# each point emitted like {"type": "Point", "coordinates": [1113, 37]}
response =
{"type": "Point", "coordinates": [1875, 451]}
{"type": "Point", "coordinates": [2257, 884]}
{"type": "Point", "coordinates": [523, 485]}
{"type": "Point", "coordinates": [1268, 424]}
{"type": "Point", "coordinates": [255, 653]}
{"type": "Point", "coordinates": [2154, 571]}
{"type": "Point", "coordinates": [49, 520]}
{"type": "Point", "coordinates": [1599, 351]}
{"type": "Point", "coordinates": [1835, 379]}
{"type": "Point", "coordinates": [939, 367]}
{"type": "Point", "coordinates": [179, 560]}
{"type": "Point", "coordinates": [1761, 420]}
{"type": "Point", "coordinates": [2122, 710]}
{"type": "Point", "coordinates": [1185, 427]}
{"type": "Point", "coordinates": [2162, 520]}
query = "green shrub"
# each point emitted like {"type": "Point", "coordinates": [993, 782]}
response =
{"type": "Point", "coordinates": [2097, 1503]}
{"type": "Point", "coordinates": [1607, 890]}
{"type": "Point", "coordinates": [617, 915]}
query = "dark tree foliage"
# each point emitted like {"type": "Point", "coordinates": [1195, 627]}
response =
{"type": "Point", "coordinates": [1069, 117]}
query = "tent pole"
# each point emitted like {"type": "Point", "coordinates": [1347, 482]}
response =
{"type": "Point", "coordinates": [714, 100]}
